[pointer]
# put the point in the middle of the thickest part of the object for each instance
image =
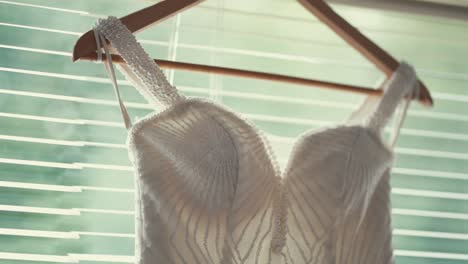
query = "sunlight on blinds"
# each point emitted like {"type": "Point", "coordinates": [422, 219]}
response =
{"type": "Point", "coordinates": [66, 181]}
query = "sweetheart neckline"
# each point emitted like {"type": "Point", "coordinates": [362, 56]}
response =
{"type": "Point", "coordinates": [272, 157]}
{"type": "Point", "coordinates": [152, 84]}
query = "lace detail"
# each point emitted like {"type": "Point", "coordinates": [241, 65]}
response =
{"type": "Point", "coordinates": [148, 77]}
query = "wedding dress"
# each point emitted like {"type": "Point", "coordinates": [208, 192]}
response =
{"type": "Point", "coordinates": [208, 188]}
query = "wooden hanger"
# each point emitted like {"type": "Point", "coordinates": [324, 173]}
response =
{"type": "Point", "coordinates": [85, 47]}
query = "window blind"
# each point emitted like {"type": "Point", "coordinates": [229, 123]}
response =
{"type": "Point", "coordinates": [66, 184]}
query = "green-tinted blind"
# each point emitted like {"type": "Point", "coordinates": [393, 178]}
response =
{"type": "Point", "coordinates": [66, 185]}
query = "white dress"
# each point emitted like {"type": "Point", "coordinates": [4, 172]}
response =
{"type": "Point", "coordinates": [209, 191]}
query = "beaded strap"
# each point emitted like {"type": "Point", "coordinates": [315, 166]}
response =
{"type": "Point", "coordinates": [140, 68]}
{"type": "Point", "coordinates": [401, 84]}
{"type": "Point", "coordinates": [100, 41]}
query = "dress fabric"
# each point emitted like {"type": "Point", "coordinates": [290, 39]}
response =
{"type": "Point", "coordinates": [209, 190]}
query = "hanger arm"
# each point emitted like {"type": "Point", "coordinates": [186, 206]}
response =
{"type": "Point", "coordinates": [379, 57]}
{"type": "Point", "coordinates": [135, 22]}
{"type": "Point", "coordinates": [177, 65]}
{"type": "Point", "coordinates": [86, 45]}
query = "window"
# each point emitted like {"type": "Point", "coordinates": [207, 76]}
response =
{"type": "Point", "coordinates": [66, 185]}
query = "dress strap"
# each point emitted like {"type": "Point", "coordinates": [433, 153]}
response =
{"type": "Point", "coordinates": [110, 71]}
{"type": "Point", "coordinates": [139, 68]}
{"type": "Point", "coordinates": [398, 91]}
